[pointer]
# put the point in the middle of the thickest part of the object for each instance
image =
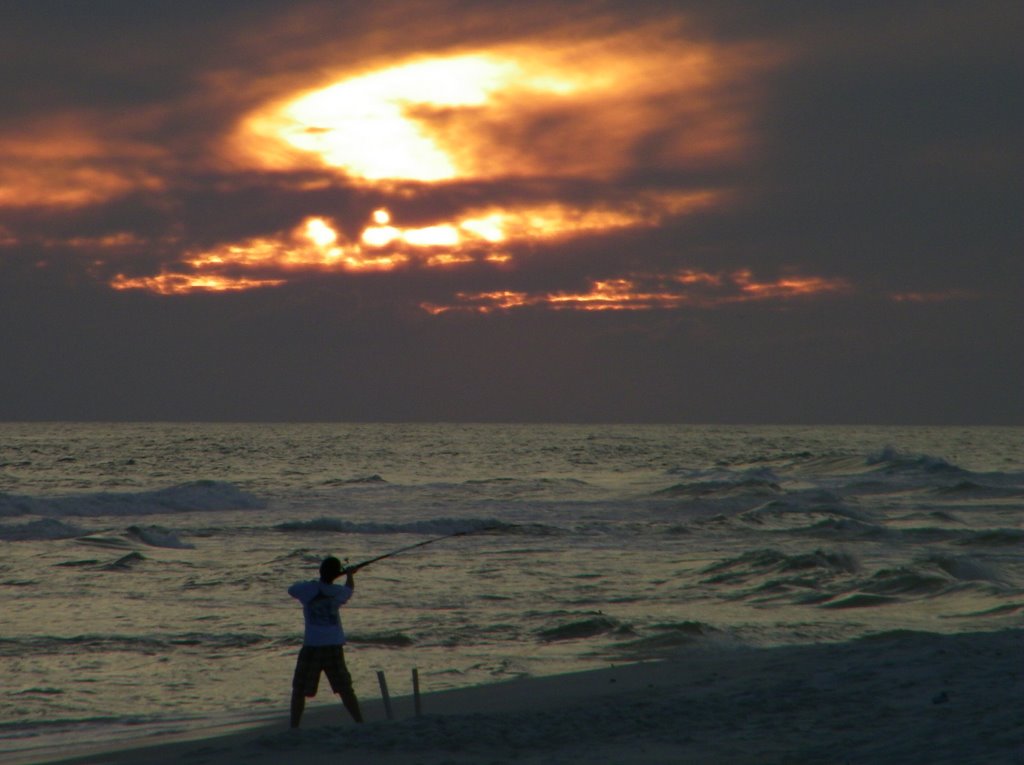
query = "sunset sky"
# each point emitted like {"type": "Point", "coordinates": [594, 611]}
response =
{"type": "Point", "coordinates": [618, 211]}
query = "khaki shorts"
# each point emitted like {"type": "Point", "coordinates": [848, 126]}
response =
{"type": "Point", "coordinates": [314, 659]}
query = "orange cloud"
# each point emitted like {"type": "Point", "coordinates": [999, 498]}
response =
{"type": "Point", "coordinates": [793, 286]}
{"type": "Point", "coordinates": [552, 111]}
{"type": "Point", "coordinates": [179, 284]}
{"type": "Point", "coordinates": [69, 162]}
{"type": "Point", "coordinates": [647, 293]}
{"type": "Point", "coordinates": [315, 245]}
{"type": "Point", "coordinates": [940, 296]}
{"type": "Point", "coordinates": [477, 236]}
{"type": "Point", "coordinates": [555, 110]}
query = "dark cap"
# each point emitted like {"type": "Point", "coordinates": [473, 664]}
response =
{"type": "Point", "coordinates": [330, 567]}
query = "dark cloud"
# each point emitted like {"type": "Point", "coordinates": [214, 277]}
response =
{"type": "Point", "coordinates": [334, 351]}
{"type": "Point", "coordinates": [877, 146]}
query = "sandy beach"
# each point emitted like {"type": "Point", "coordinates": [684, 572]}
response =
{"type": "Point", "coordinates": [898, 697]}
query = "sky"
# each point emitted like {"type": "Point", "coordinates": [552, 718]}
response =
{"type": "Point", "coordinates": [786, 212]}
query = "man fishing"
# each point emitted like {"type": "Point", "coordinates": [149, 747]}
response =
{"type": "Point", "coordinates": [323, 641]}
{"type": "Point", "coordinates": [322, 645]}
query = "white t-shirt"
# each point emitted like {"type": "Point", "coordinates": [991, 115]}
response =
{"type": "Point", "coordinates": [320, 604]}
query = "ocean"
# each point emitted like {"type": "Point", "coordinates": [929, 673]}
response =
{"type": "Point", "coordinates": [144, 566]}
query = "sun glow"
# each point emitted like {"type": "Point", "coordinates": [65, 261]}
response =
{"type": "Point", "coordinates": [582, 108]}
{"type": "Point", "coordinates": [319, 232]}
{"type": "Point", "coordinates": [368, 124]}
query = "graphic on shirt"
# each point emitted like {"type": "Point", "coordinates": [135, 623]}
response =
{"type": "Point", "coordinates": [322, 611]}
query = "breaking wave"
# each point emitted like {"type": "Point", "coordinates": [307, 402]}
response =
{"type": "Point", "coordinates": [584, 628]}
{"type": "Point", "coordinates": [666, 640]}
{"type": "Point", "coordinates": [125, 563]}
{"type": "Point", "coordinates": [800, 511]}
{"type": "Point", "coordinates": [53, 529]}
{"type": "Point", "coordinates": [892, 460]}
{"type": "Point", "coordinates": [206, 496]}
{"type": "Point", "coordinates": [930, 576]}
{"type": "Point", "coordinates": [757, 563]}
{"type": "Point", "coordinates": [833, 579]}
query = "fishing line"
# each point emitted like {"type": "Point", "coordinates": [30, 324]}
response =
{"type": "Point", "coordinates": [356, 567]}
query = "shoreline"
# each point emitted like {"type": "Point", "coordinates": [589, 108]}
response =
{"type": "Point", "coordinates": [895, 697]}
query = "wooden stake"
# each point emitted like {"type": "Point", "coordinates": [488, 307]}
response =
{"type": "Point", "coordinates": [416, 691]}
{"type": "Point", "coordinates": [384, 694]}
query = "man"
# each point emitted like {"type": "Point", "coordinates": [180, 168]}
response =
{"type": "Point", "coordinates": [323, 640]}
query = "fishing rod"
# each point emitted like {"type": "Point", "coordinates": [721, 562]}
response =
{"type": "Point", "coordinates": [357, 566]}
